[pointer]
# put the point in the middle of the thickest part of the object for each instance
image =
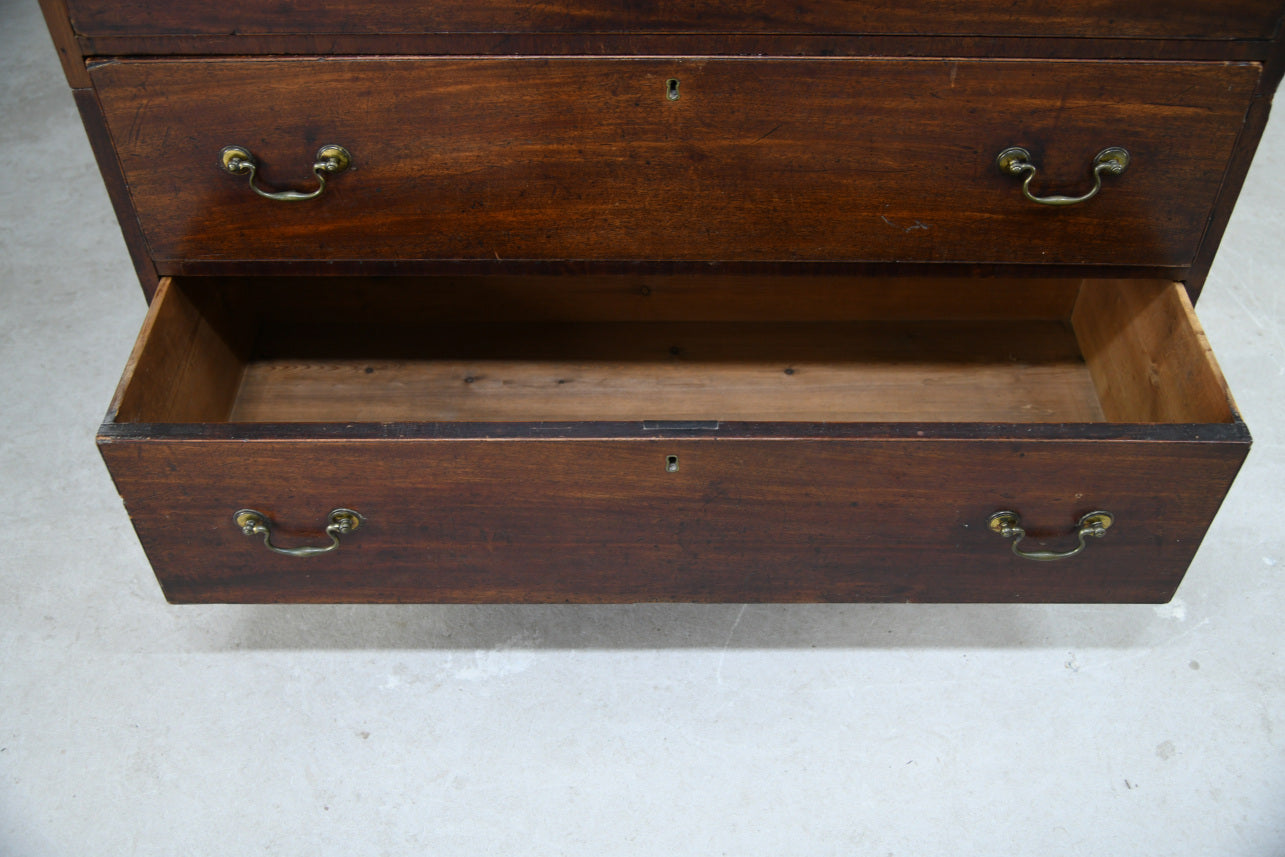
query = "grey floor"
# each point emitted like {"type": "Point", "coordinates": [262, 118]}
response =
{"type": "Point", "coordinates": [128, 726]}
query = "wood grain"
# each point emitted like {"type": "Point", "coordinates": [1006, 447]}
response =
{"type": "Point", "coordinates": [73, 64]}
{"type": "Point", "coordinates": [473, 268]}
{"type": "Point", "coordinates": [186, 365]}
{"type": "Point", "coordinates": [506, 437]}
{"type": "Point", "coordinates": [1148, 354]}
{"type": "Point", "coordinates": [814, 371]}
{"type": "Point", "coordinates": [91, 115]}
{"type": "Point", "coordinates": [425, 351]}
{"type": "Point", "coordinates": [603, 521]}
{"type": "Point", "coordinates": [1237, 172]}
{"type": "Point", "coordinates": [487, 160]}
{"type": "Point", "coordinates": [1190, 19]}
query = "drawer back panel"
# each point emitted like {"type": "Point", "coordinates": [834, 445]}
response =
{"type": "Point", "coordinates": [674, 158]}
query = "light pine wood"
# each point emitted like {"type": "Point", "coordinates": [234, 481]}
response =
{"type": "Point", "coordinates": [1128, 351]}
{"type": "Point", "coordinates": [91, 114]}
{"type": "Point", "coordinates": [185, 366]}
{"type": "Point", "coordinates": [855, 372]}
{"type": "Point", "coordinates": [1148, 354]}
{"type": "Point", "coordinates": [146, 381]}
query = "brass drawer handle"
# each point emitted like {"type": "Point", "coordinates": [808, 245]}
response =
{"type": "Point", "coordinates": [1015, 161]}
{"type": "Point", "coordinates": [238, 161]}
{"type": "Point", "coordinates": [1007, 525]}
{"type": "Point", "coordinates": [342, 522]}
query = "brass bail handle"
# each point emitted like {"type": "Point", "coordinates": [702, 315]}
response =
{"type": "Point", "coordinates": [331, 160]}
{"type": "Point", "coordinates": [342, 522]}
{"type": "Point", "coordinates": [1016, 161]}
{"type": "Point", "coordinates": [1008, 525]}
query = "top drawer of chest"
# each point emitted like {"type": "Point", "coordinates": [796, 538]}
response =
{"type": "Point", "coordinates": [1180, 19]}
{"type": "Point", "coordinates": [686, 159]}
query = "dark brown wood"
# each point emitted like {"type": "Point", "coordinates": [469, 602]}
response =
{"type": "Point", "coordinates": [73, 63]}
{"type": "Point", "coordinates": [870, 160]}
{"type": "Point", "coordinates": [556, 349]}
{"type": "Point", "coordinates": [673, 44]}
{"type": "Point", "coordinates": [1238, 167]}
{"type": "Point", "coordinates": [1190, 19]}
{"type": "Point", "coordinates": [417, 269]}
{"type": "Point", "coordinates": [636, 298]}
{"type": "Point", "coordinates": [603, 226]}
{"type": "Point", "coordinates": [91, 115]}
{"type": "Point", "coordinates": [742, 520]}
{"type": "Point", "coordinates": [1233, 180]}
{"type": "Point", "coordinates": [588, 511]}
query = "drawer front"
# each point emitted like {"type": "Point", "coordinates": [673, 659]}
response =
{"type": "Point", "coordinates": [1198, 20]}
{"type": "Point", "coordinates": [740, 159]}
{"type": "Point", "coordinates": [740, 520]}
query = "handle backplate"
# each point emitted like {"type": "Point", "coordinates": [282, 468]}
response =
{"type": "Point", "coordinates": [1016, 161]}
{"type": "Point", "coordinates": [341, 522]}
{"type": "Point", "coordinates": [1008, 525]}
{"type": "Point", "coordinates": [331, 160]}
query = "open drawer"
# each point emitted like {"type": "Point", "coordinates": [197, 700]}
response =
{"type": "Point", "coordinates": [615, 439]}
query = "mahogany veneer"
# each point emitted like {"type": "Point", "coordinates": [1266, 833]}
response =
{"type": "Point", "coordinates": [578, 158]}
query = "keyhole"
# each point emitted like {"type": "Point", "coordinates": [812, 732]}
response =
{"type": "Point", "coordinates": [671, 89]}
{"type": "Point", "coordinates": [671, 463]}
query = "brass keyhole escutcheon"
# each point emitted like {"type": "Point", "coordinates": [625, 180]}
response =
{"type": "Point", "coordinates": [671, 463]}
{"type": "Point", "coordinates": [671, 89]}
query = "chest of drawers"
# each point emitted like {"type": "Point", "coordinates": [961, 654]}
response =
{"type": "Point", "coordinates": [612, 301]}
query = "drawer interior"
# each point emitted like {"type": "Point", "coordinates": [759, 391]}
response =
{"type": "Point", "coordinates": [725, 348]}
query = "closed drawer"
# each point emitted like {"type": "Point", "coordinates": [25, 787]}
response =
{"type": "Point", "coordinates": [671, 439]}
{"type": "Point", "coordinates": [1201, 20]}
{"type": "Point", "coordinates": [792, 160]}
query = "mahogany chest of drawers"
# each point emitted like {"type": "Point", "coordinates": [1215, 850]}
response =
{"type": "Point", "coordinates": [601, 301]}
